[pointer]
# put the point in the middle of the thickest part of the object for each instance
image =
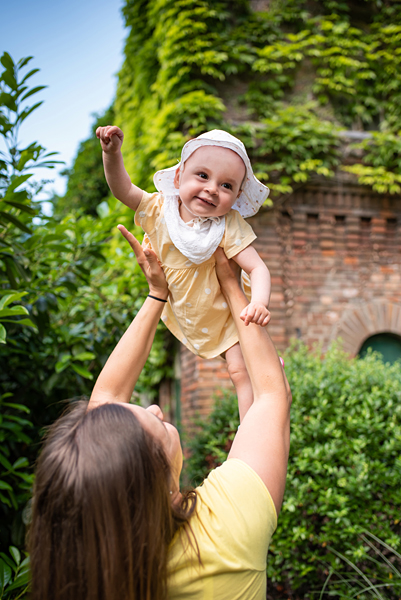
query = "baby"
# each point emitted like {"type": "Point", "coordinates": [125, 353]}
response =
{"type": "Point", "coordinates": [200, 205]}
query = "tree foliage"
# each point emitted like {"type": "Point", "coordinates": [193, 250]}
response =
{"type": "Point", "coordinates": [68, 289]}
{"type": "Point", "coordinates": [286, 80]}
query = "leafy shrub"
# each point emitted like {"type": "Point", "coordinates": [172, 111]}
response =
{"type": "Point", "coordinates": [14, 575]}
{"type": "Point", "coordinates": [344, 470]}
{"type": "Point", "coordinates": [212, 442]}
{"type": "Point", "coordinates": [349, 581]}
{"type": "Point", "coordinates": [16, 479]}
{"type": "Point", "coordinates": [68, 291]}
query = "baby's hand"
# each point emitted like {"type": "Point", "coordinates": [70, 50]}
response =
{"type": "Point", "coordinates": [111, 138]}
{"type": "Point", "coordinates": [257, 313]}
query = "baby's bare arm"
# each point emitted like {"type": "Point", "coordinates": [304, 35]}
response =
{"type": "Point", "coordinates": [111, 139]}
{"type": "Point", "coordinates": [257, 310]}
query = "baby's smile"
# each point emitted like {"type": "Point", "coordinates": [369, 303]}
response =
{"type": "Point", "coordinates": [206, 201]}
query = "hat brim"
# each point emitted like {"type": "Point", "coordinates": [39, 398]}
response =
{"type": "Point", "coordinates": [253, 194]}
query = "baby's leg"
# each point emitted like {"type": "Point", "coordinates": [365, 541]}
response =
{"type": "Point", "coordinates": [240, 378]}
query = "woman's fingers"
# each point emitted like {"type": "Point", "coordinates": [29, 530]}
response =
{"type": "Point", "coordinates": [224, 267]}
{"type": "Point", "coordinates": [149, 263]}
{"type": "Point", "coordinates": [133, 242]}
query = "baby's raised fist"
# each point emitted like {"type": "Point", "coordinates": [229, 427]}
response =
{"type": "Point", "coordinates": [111, 138]}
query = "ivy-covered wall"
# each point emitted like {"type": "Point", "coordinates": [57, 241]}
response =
{"type": "Point", "coordinates": [285, 80]}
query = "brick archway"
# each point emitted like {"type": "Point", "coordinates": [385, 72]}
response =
{"type": "Point", "coordinates": [364, 320]}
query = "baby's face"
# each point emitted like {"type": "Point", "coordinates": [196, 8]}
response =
{"type": "Point", "coordinates": [209, 182]}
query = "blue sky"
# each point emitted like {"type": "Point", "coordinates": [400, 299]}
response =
{"type": "Point", "coordinates": [77, 45]}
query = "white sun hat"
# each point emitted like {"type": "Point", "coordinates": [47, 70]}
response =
{"type": "Point", "coordinates": [253, 193]}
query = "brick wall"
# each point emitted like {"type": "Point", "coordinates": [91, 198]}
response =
{"type": "Point", "coordinates": [334, 253]}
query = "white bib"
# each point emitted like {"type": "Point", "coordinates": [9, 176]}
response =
{"type": "Point", "coordinates": [197, 242]}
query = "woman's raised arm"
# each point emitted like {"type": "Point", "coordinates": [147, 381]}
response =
{"type": "Point", "coordinates": [119, 375]}
{"type": "Point", "coordinates": [263, 440]}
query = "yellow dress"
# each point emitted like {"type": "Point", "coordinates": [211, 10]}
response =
{"type": "Point", "coordinates": [233, 524]}
{"type": "Point", "coordinates": [196, 312]}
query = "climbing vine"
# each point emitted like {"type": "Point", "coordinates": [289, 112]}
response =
{"type": "Point", "coordinates": [286, 80]}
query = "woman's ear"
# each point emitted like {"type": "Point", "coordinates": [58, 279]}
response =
{"type": "Point", "coordinates": [177, 178]}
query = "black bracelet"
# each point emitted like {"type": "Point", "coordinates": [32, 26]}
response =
{"type": "Point", "coordinates": [154, 298]}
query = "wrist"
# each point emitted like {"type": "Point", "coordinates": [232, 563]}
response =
{"type": "Point", "coordinates": [161, 294]}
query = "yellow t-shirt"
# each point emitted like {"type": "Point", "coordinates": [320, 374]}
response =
{"type": "Point", "coordinates": [196, 312]}
{"type": "Point", "coordinates": [233, 524]}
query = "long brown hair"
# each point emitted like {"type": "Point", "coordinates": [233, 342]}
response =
{"type": "Point", "coordinates": [102, 516]}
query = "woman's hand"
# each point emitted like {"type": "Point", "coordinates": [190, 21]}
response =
{"type": "Point", "coordinates": [119, 375]}
{"type": "Point", "coordinates": [149, 264]}
{"type": "Point", "coordinates": [228, 272]}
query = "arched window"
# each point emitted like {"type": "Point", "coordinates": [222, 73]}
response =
{"type": "Point", "coordinates": [387, 344]}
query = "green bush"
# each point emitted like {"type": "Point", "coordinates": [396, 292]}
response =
{"type": "Point", "coordinates": [14, 575]}
{"type": "Point", "coordinates": [344, 470]}
{"type": "Point", "coordinates": [68, 290]}
{"type": "Point", "coordinates": [16, 478]}
{"type": "Point", "coordinates": [347, 580]}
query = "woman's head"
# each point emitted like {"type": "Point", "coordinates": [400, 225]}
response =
{"type": "Point", "coordinates": [102, 514]}
{"type": "Point", "coordinates": [163, 433]}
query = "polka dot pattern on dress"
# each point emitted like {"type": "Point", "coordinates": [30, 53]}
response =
{"type": "Point", "coordinates": [142, 213]}
{"type": "Point", "coordinates": [238, 242]}
{"type": "Point", "coordinates": [224, 305]}
{"type": "Point", "coordinates": [205, 330]}
{"type": "Point", "coordinates": [208, 291]}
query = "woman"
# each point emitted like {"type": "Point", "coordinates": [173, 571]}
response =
{"type": "Point", "coordinates": [109, 521]}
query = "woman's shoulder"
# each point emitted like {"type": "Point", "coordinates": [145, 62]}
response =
{"type": "Point", "coordinates": [233, 522]}
{"type": "Point", "coordinates": [236, 482]}
{"type": "Point", "coordinates": [234, 501]}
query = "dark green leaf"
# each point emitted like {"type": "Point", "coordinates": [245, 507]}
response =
{"type": "Point", "coordinates": [13, 297]}
{"type": "Point", "coordinates": [21, 462]}
{"type": "Point", "coordinates": [82, 371]}
{"type": "Point", "coordinates": [24, 61]}
{"type": "Point", "coordinates": [13, 311]}
{"type": "Point", "coordinates": [27, 111]}
{"type": "Point", "coordinates": [5, 463]}
{"type": "Point", "coordinates": [7, 217]}
{"type": "Point", "coordinates": [5, 486]}
{"type": "Point", "coordinates": [28, 75]}
{"type": "Point", "coordinates": [5, 574]}
{"type": "Point", "coordinates": [15, 553]}
{"type": "Point", "coordinates": [7, 61]}
{"type": "Point", "coordinates": [7, 100]}
{"type": "Point", "coordinates": [20, 407]}
{"type": "Point", "coordinates": [33, 91]}
{"type": "Point", "coordinates": [21, 580]}
{"type": "Point", "coordinates": [9, 78]}
{"type": "Point", "coordinates": [9, 561]}
{"type": "Point", "coordinates": [23, 207]}
{"type": "Point", "coordinates": [17, 181]}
